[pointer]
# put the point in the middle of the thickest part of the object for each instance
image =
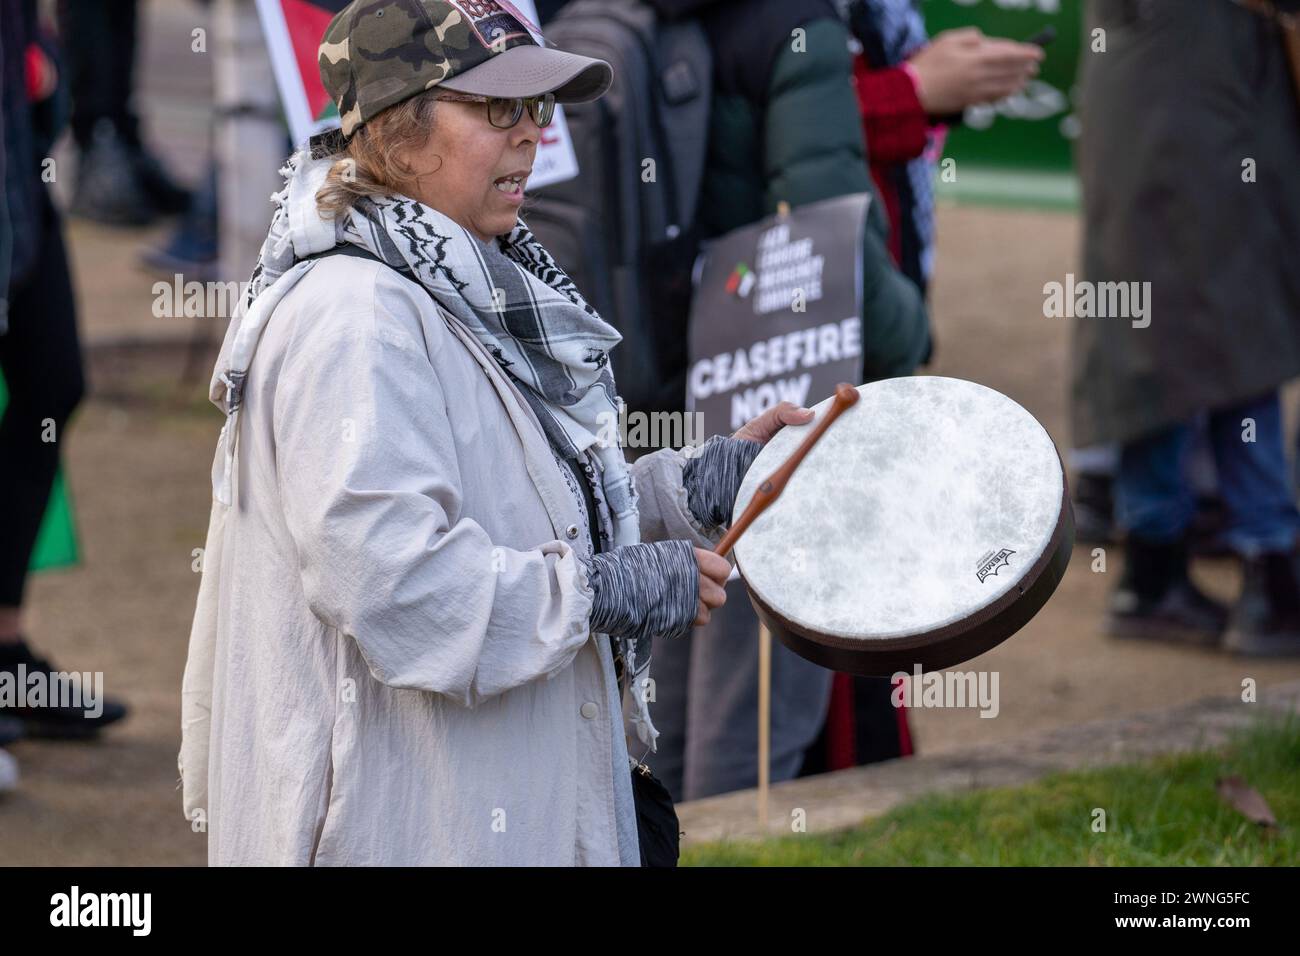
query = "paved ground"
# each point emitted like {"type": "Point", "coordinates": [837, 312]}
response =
{"type": "Point", "coordinates": [139, 452]}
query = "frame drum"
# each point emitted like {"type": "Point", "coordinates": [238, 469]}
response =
{"type": "Point", "coordinates": [929, 524]}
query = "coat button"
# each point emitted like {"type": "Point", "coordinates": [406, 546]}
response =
{"type": "Point", "coordinates": [590, 710]}
{"type": "Point", "coordinates": [571, 531]}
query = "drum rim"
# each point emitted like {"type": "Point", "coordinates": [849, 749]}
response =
{"type": "Point", "coordinates": [949, 644]}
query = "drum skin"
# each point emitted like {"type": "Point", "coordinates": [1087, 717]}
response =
{"type": "Point", "coordinates": [930, 523]}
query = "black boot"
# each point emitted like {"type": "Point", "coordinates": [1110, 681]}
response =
{"type": "Point", "coordinates": [1266, 619]}
{"type": "Point", "coordinates": [64, 708]}
{"type": "Point", "coordinates": [1156, 599]}
{"type": "Point", "coordinates": [1205, 537]}
{"type": "Point", "coordinates": [166, 194]}
{"type": "Point", "coordinates": [109, 188]}
{"type": "Point", "coordinates": [1094, 508]}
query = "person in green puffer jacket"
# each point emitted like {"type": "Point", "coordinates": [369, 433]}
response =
{"type": "Point", "coordinates": [785, 127]}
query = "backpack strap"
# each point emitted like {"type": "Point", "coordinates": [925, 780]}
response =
{"type": "Point", "coordinates": [348, 249]}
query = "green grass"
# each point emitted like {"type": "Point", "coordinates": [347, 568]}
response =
{"type": "Point", "coordinates": [1163, 812]}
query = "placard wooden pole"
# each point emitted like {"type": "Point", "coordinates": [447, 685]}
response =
{"type": "Point", "coordinates": [764, 720]}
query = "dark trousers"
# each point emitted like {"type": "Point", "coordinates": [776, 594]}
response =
{"type": "Point", "coordinates": [1157, 499]}
{"type": "Point", "coordinates": [98, 38]}
{"type": "Point", "coordinates": [41, 361]}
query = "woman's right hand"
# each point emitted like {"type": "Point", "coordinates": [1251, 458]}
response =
{"type": "Point", "coordinates": [714, 570]}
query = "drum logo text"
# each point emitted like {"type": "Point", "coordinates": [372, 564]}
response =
{"type": "Point", "coordinates": [991, 563]}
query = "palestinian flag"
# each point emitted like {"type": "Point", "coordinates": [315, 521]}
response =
{"type": "Point", "coordinates": [293, 31]}
{"type": "Point", "coordinates": [306, 21]}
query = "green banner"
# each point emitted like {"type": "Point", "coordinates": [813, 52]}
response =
{"type": "Point", "coordinates": [1018, 151]}
{"type": "Point", "coordinates": [56, 544]}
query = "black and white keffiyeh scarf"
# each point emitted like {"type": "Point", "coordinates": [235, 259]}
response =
{"type": "Point", "coordinates": [509, 293]}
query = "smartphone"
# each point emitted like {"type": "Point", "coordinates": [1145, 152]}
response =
{"type": "Point", "coordinates": [1044, 36]}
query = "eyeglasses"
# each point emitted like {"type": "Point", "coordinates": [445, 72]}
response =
{"type": "Point", "coordinates": [505, 112]}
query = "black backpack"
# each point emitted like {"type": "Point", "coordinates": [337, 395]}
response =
{"type": "Point", "coordinates": [630, 245]}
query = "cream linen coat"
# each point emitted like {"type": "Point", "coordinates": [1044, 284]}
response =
{"type": "Point", "coordinates": [391, 660]}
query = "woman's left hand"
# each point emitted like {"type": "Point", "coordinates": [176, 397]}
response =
{"type": "Point", "coordinates": [762, 428]}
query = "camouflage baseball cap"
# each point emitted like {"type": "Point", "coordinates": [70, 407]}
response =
{"type": "Point", "coordinates": [376, 53]}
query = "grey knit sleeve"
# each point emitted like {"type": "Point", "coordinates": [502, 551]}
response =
{"type": "Point", "coordinates": [643, 590]}
{"type": "Point", "coordinates": [712, 478]}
